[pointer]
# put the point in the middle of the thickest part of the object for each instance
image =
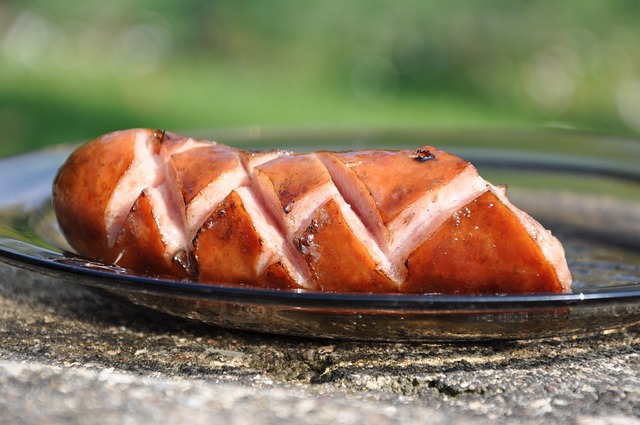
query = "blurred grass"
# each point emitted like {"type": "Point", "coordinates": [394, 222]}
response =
{"type": "Point", "coordinates": [70, 72]}
{"type": "Point", "coordinates": [37, 112]}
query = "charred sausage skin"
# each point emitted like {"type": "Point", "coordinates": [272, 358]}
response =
{"type": "Point", "coordinates": [372, 221]}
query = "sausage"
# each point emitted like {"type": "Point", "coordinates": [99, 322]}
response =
{"type": "Point", "coordinates": [372, 221]}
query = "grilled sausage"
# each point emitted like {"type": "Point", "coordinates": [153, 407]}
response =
{"type": "Point", "coordinates": [372, 221]}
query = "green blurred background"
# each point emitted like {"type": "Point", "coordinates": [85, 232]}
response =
{"type": "Point", "coordinates": [74, 70]}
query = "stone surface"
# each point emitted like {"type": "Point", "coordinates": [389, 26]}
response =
{"type": "Point", "coordinates": [72, 355]}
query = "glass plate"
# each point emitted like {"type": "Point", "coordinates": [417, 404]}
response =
{"type": "Point", "coordinates": [584, 187]}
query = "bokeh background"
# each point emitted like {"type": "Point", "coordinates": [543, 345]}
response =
{"type": "Point", "coordinates": [70, 71]}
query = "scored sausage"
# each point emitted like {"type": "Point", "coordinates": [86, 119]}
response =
{"type": "Point", "coordinates": [373, 221]}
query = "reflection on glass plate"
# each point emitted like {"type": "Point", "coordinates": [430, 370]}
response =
{"type": "Point", "coordinates": [585, 188]}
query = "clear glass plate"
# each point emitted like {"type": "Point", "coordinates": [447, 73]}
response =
{"type": "Point", "coordinates": [584, 187]}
